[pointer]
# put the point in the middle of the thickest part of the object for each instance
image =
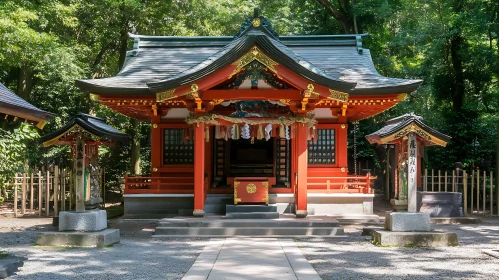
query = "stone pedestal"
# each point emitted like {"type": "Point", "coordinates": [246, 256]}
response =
{"type": "Point", "coordinates": [93, 220]}
{"type": "Point", "coordinates": [81, 229]}
{"type": "Point", "coordinates": [400, 221]}
{"type": "Point", "coordinates": [410, 229]}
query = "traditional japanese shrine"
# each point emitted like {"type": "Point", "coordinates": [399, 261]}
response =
{"type": "Point", "coordinates": [409, 135]}
{"type": "Point", "coordinates": [247, 119]}
{"type": "Point", "coordinates": [85, 133]}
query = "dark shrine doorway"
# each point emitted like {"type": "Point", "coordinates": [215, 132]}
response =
{"type": "Point", "coordinates": [249, 158]}
{"type": "Point", "coordinates": [244, 158]}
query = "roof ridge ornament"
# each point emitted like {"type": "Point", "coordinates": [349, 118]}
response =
{"type": "Point", "coordinates": [257, 22]}
{"type": "Point", "coordinates": [254, 54]}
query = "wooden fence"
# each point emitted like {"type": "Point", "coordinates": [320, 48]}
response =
{"type": "Point", "coordinates": [45, 193]}
{"type": "Point", "coordinates": [480, 194]}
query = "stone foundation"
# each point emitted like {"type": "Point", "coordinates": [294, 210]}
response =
{"type": "Point", "coordinates": [93, 220]}
{"type": "Point", "coordinates": [79, 239]}
{"type": "Point", "coordinates": [417, 239]}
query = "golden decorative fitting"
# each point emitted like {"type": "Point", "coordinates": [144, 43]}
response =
{"type": "Point", "coordinates": [310, 93]}
{"type": "Point", "coordinates": [154, 169]}
{"type": "Point", "coordinates": [285, 101]}
{"type": "Point", "coordinates": [344, 110]}
{"type": "Point", "coordinates": [343, 126]}
{"type": "Point", "coordinates": [155, 125]}
{"type": "Point", "coordinates": [193, 94]}
{"type": "Point", "coordinates": [343, 169]}
{"type": "Point", "coordinates": [251, 188]}
{"type": "Point", "coordinates": [199, 103]}
{"type": "Point", "coordinates": [338, 95]}
{"type": "Point", "coordinates": [164, 95]}
{"type": "Point", "coordinates": [216, 101]}
{"type": "Point", "coordinates": [254, 54]}
{"type": "Point", "coordinates": [304, 103]}
{"type": "Point", "coordinates": [154, 109]}
{"type": "Point", "coordinates": [401, 97]}
{"type": "Point", "coordinates": [256, 22]}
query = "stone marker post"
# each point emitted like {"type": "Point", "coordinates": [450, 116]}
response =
{"type": "Point", "coordinates": [80, 175]}
{"type": "Point", "coordinates": [412, 173]}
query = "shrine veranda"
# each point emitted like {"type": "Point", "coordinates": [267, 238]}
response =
{"type": "Point", "coordinates": [266, 110]}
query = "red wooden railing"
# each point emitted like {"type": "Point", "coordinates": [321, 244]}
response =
{"type": "Point", "coordinates": [143, 184]}
{"type": "Point", "coordinates": [347, 184]}
{"type": "Point", "coordinates": [138, 184]}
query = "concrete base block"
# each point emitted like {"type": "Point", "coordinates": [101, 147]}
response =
{"type": "Point", "coordinates": [79, 239]}
{"type": "Point", "coordinates": [417, 239]}
{"type": "Point", "coordinates": [301, 213]}
{"type": "Point", "coordinates": [198, 213]}
{"type": "Point", "coordinates": [9, 265]}
{"type": "Point", "coordinates": [404, 221]}
{"type": "Point", "coordinates": [93, 220]}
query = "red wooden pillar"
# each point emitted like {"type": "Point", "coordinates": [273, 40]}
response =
{"type": "Point", "coordinates": [341, 146]}
{"type": "Point", "coordinates": [302, 155]}
{"type": "Point", "coordinates": [199, 145]}
{"type": "Point", "coordinates": [156, 149]}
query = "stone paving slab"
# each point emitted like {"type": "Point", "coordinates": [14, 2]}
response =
{"type": "Point", "coordinates": [251, 258]}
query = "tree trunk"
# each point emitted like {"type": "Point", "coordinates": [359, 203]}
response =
{"type": "Point", "coordinates": [343, 15]}
{"type": "Point", "coordinates": [123, 46]}
{"type": "Point", "coordinates": [135, 150]}
{"type": "Point", "coordinates": [457, 66]}
{"type": "Point", "coordinates": [25, 82]}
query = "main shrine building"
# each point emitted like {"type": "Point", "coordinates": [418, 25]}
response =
{"type": "Point", "coordinates": [254, 118]}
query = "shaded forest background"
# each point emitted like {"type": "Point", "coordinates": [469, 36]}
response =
{"type": "Point", "coordinates": [452, 45]}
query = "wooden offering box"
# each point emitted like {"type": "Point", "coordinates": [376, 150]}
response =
{"type": "Point", "coordinates": [251, 190]}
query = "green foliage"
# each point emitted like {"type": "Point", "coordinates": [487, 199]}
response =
{"type": "Point", "coordinates": [14, 152]}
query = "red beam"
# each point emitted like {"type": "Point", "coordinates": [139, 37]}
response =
{"type": "Point", "coordinates": [252, 94]}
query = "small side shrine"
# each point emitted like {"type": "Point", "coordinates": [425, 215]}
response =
{"type": "Point", "coordinates": [407, 226]}
{"type": "Point", "coordinates": [85, 133]}
{"type": "Point", "coordinates": [409, 135]}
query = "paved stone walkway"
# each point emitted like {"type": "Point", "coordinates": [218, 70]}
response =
{"type": "Point", "coordinates": [251, 258]}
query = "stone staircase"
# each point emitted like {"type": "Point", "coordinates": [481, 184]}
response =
{"type": "Point", "coordinates": [251, 211]}
{"type": "Point", "coordinates": [215, 203]}
{"type": "Point", "coordinates": [222, 227]}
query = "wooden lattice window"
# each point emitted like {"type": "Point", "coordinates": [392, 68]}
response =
{"type": "Point", "coordinates": [175, 149]}
{"type": "Point", "coordinates": [322, 151]}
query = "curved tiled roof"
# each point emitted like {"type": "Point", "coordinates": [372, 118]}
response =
{"type": "Point", "coordinates": [398, 124]}
{"type": "Point", "coordinates": [164, 62]}
{"type": "Point", "coordinates": [13, 105]}
{"type": "Point", "coordinates": [93, 125]}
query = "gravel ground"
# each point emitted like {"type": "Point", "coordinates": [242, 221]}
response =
{"type": "Point", "coordinates": [355, 257]}
{"type": "Point", "coordinates": [138, 256]}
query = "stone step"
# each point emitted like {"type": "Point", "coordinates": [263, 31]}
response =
{"type": "Point", "coordinates": [252, 215]}
{"type": "Point", "coordinates": [247, 223]}
{"type": "Point", "coordinates": [218, 209]}
{"type": "Point", "coordinates": [251, 208]}
{"type": "Point", "coordinates": [248, 231]}
{"type": "Point", "coordinates": [219, 199]}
